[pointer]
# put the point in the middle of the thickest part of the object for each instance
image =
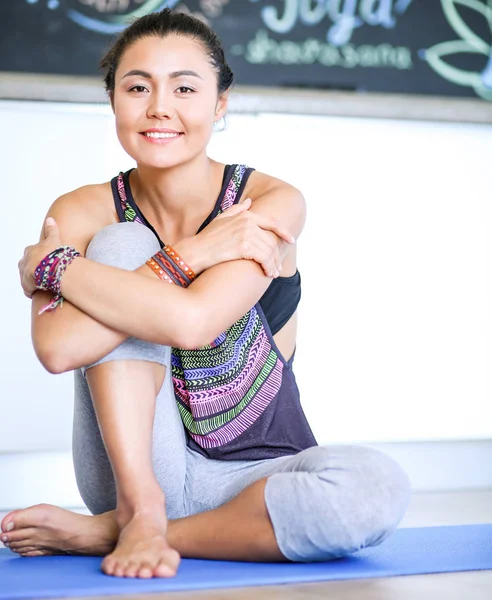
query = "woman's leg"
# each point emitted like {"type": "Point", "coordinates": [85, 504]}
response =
{"type": "Point", "coordinates": [144, 438]}
{"type": "Point", "coordinates": [115, 424]}
{"type": "Point", "coordinates": [321, 504]}
{"type": "Point", "coordinates": [45, 529]}
{"type": "Point", "coordinates": [341, 499]}
{"type": "Point", "coordinates": [126, 245]}
{"type": "Point", "coordinates": [124, 394]}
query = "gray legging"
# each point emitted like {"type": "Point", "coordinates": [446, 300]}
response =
{"type": "Point", "coordinates": [324, 503]}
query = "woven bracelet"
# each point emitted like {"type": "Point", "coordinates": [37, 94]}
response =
{"type": "Point", "coordinates": [49, 272]}
{"type": "Point", "coordinates": [170, 267]}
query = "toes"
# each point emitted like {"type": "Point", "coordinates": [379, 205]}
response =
{"type": "Point", "coordinates": [164, 570]}
{"type": "Point", "coordinates": [26, 517]}
{"type": "Point", "coordinates": [33, 553]}
{"type": "Point", "coordinates": [24, 549]}
{"type": "Point", "coordinates": [15, 520]}
{"type": "Point", "coordinates": [17, 545]}
{"type": "Point", "coordinates": [132, 570]}
{"type": "Point", "coordinates": [173, 558]}
{"type": "Point", "coordinates": [119, 571]}
{"type": "Point", "coordinates": [8, 522]}
{"type": "Point", "coordinates": [145, 572]}
{"type": "Point", "coordinates": [17, 536]}
{"type": "Point", "coordinates": [108, 565]}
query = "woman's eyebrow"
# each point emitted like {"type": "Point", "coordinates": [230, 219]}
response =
{"type": "Point", "coordinates": [173, 75]}
{"type": "Point", "coordinates": [176, 74]}
{"type": "Point", "coordinates": [137, 72]}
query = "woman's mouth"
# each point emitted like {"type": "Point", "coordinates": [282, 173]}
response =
{"type": "Point", "coordinates": [161, 137]}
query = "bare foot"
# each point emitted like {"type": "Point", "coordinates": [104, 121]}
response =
{"type": "Point", "coordinates": [142, 549]}
{"type": "Point", "coordinates": [45, 529]}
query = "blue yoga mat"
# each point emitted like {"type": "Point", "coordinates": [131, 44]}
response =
{"type": "Point", "coordinates": [407, 552]}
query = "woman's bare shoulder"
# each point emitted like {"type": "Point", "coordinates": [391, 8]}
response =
{"type": "Point", "coordinates": [260, 184]}
{"type": "Point", "coordinates": [277, 198]}
{"type": "Point", "coordinates": [95, 196]}
{"type": "Point", "coordinates": [93, 201]}
{"type": "Point", "coordinates": [81, 213]}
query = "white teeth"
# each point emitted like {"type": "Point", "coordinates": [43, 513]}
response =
{"type": "Point", "coordinates": [157, 134]}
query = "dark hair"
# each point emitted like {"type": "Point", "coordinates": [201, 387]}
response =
{"type": "Point", "coordinates": [163, 23]}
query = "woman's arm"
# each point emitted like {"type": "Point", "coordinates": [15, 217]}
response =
{"type": "Point", "coordinates": [67, 339]}
{"type": "Point", "coordinates": [167, 314]}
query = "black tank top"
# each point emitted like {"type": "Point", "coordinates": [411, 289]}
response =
{"type": "Point", "coordinates": [237, 396]}
{"type": "Point", "coordinates": [282, 296]}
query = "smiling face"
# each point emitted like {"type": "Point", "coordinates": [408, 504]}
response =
{"type": "Point", "coordinates": [166, 100]}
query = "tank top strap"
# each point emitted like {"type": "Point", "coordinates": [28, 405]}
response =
{"type": "Point", "coordinates": [125, 208]}
{"type": "Point", "coordinates": [235, 186]}
{"type": "Point", "coordinates": [235, 179]}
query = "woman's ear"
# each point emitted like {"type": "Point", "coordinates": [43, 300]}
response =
{"type": "Point", "coordinates": [221, 108]}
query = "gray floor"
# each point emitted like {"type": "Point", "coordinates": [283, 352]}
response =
{"type": "Point", "coordinates": [426, 510]}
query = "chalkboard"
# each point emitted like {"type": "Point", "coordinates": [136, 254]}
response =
{"type": "Point", "coordinates": [434, 47]}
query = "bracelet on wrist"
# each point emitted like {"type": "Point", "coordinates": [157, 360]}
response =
{"type": "Point", "coordinates": [49, 272]}
{"type": "Point", "coordinates": [171, 267]}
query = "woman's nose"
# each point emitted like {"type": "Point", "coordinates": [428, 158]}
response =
{"type": "Point", "coordinates": [160, 107]}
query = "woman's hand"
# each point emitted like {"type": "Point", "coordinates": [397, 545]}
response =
{"type": "Point", "coordinates": [236, 234]}
{"type": "Point", "coordinates": [33, 255]}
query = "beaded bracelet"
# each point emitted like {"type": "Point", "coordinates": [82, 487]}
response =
{"type": "Point", "coordinates": [171, 268]}
{"type": "Point", "coordinates": [49, 272]}
{"type": "Point", "coordinates": [180, 262]}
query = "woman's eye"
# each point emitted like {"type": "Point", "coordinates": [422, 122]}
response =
{"type": "Point", "coordinates": [138, 89]}
{"type": "Point", "coordinates": [184, 89]}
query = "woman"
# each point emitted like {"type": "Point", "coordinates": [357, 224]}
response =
{"type": "Point", "coordinates": [226, 467]}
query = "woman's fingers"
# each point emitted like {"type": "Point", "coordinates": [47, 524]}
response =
{"type": "Point", "coordinates": [268, 223]}
{"type": "Point", "coordinates": [235, 209]}
{"type": "Point", "coordinates": [245, 204]}
{"type": "Point", "coordinates": [273, 225]}
{"type": "Point", "coordinates": [265, 254]}
{"type": "Point", "coordinates": [239, 233]}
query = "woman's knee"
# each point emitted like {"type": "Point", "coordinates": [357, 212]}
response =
{"type": "Point", "coordinates": [368, 476]}
{"type": "Point", "coordinates": [127, 246]}
{"type": "Point", "coordinates": [341, 499]}
{"type": "Point", "coordinates": [135, 349]}
{"type": "Point", "coordinates": [379, 492]}
{"type": "Point", "coordinates": [123, 245]}
{"type": "Point", "coordinates": [374, 492]}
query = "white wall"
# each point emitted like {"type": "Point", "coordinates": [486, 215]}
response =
{"type": "Point", "coordinates": [395, 321]}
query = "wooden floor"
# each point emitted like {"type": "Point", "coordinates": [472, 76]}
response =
{"type": "Point", "coordinates": [425, 510]}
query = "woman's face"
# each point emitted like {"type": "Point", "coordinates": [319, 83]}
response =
{"type": "Point", "coordinates": [165, 100]}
